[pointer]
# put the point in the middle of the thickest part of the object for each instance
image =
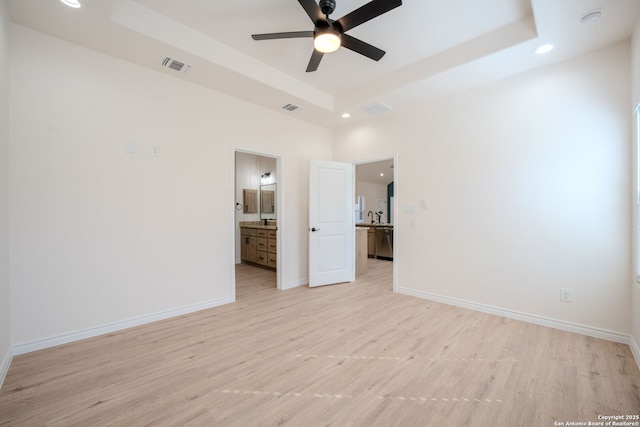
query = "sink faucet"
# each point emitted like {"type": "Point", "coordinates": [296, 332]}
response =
{"type": "Point", "coordinates": [371, 213]}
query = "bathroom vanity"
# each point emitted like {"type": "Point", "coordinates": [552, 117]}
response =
{"type": "Point", "coordinates": [258, 244]}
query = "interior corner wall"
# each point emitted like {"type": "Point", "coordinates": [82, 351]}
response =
{"type": "Point", "coordinates": [100, 235]}
{"type": "Point", "coordinates": [5, 319]}
{"type": "Point", "coordinates": [527, 184]}
{"type": "Point", "coordinates": [635, 84]}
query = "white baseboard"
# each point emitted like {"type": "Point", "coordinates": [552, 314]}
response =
{"type": "Point", "coordinates": [295, 284]}
{"type": "Point", "coordinates": [4, 368]}
{"type": "Point", "coordinates": [633, 345]}
{"type": "Point", "coordinates": [115, 326]}
{"type": "Point", "coordinates": [530, 318]}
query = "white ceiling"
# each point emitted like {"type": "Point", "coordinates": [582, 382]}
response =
{"type": "Point", "coordinates": [434, 47]}
{"type": "Point", "coordinates": [377, 172]}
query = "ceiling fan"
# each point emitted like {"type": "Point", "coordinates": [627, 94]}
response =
{"type": "Point", "coordinates": [328, 35]}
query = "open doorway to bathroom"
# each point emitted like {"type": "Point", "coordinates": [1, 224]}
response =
{"type": "Point", "coordinates": [256, 223]}
{"type": "Point", "coordinates": [374, 212]}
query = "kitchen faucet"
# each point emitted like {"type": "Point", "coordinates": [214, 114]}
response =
{"type": "Point", "coordinates": [371, 213]}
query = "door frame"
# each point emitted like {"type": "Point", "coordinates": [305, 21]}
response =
{"type": "Point", "coordinates": [393, 157]}
{"type": "Point", "coordinates": [279, 218]}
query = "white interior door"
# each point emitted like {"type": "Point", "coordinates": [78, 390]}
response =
{"type": "Point", "coordinates": [331, 223]}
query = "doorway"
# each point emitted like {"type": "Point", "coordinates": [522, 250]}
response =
{"type": "Point", "coordinates": [375, 207]}
{"type": "Point", "coordinates": [257, 219]}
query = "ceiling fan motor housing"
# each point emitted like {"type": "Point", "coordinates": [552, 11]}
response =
{"type": "Point", "coordinates": [327, 6]}
{"type": "Point", "coordinates": [329, 35]}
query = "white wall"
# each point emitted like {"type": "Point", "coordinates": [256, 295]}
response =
{"type": "Point", "coordinates": [5, 328]}
{"type": "Point", "coordinates": [635, 84]}
{"type": "Point", "coordinates": [101, 236]}
{"type": "Point", "coordinates": [527, 184]}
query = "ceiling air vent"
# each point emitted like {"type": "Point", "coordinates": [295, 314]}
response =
{"type": "Point", "coordinates": [376, 108]}
{"type": "Point", "coordinates": [176, 65]}
{"type": "Point", "coordinates": [291, 107]}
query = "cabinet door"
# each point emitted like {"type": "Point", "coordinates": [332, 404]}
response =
{"type": "Point", "coordinates": [371, 242]}
{"type": "Point", "coordinates": [248, 248]}
{"type": "Point", "coordinates": [250, 201]}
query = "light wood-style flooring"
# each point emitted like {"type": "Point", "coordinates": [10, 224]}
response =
{"type": "Point", "coordinates": [352, 354]}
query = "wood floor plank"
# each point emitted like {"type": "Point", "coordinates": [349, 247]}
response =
{"type": "Point", "coordinates": [353, 354]}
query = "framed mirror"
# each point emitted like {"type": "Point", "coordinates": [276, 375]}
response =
{"type": "Point", "coordinates": [268, 201]}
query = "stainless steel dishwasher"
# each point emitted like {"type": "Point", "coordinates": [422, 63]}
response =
{"type": "Point", "coordinates": [384, 242]}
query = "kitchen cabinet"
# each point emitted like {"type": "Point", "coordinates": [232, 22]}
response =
{"type": "Point", "coordinates": [361, 251]}
{"type": "Point", "coordinates": [379, 240]}
{"type": "Point", "coordinates": [371, 242]}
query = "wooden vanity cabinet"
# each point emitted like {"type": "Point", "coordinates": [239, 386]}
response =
{"type": "Point", "coordinates": [248, 244]}
{"type": "Point", "coordinates": [272, 249]}
{"type": "Point", "coordinates": [259, 246]}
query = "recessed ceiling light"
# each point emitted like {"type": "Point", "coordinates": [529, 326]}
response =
{"type": "Point", "coordinates": [346, 115]}
{"type": "Point", "coordinates": [543, 49]}
{"type": "Point", "coordinates": [72, 3]}
{"type": "Point", "coordinates": [381, 174]}
{"type": "Point", "coordinates": [591, 17]}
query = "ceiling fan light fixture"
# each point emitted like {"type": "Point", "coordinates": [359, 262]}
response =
{"type": "Point", "coordinates": [326, 40]}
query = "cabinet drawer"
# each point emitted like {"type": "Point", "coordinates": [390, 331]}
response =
{"type": "Point", "coordinates": [261, 233]}
{"type": "Point", "coordinates": [247, 231]}
{"type": "Point", "coordinates": [262, 258]}
{"type": "Point", "coordinates": [262, 243]}
{"type": "Point", "coordinates": [272, 234]}
{"type": "Point", "coordinates": [272, 260]}
{"type": "Point", "coordinates": [272, 246]}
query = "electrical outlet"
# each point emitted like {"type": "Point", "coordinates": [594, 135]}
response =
{"type": "Point", "coordinates": [566, 295]}
{"type": "Point", "coordinates": [155, 151]}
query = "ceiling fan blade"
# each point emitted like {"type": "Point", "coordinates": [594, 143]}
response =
{"type": "Point", "coordinates": [316, 57]}
{"type": "Point", "coordinates": [288, 35]}
{"type": "Point", "coordinates": [361, 47]}
{"type": "Point", "coordinates": [367, 12]}
{"type": "Point", "coordinates": [312, 9]}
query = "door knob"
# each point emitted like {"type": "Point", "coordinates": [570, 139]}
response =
{"type": "Point", "coordinates": [315, 229]}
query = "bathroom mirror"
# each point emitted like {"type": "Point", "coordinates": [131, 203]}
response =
{"type": "Point", "coordinates": [268, 201]}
